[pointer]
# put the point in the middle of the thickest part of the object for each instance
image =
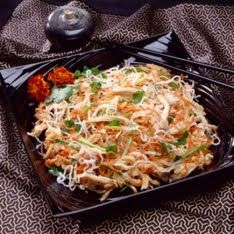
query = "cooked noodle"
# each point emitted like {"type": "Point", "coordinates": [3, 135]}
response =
{"type": "Point", "coordinates": [129, 126]}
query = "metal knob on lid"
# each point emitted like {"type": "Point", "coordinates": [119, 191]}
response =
{"type": "Point", "coordinates": [69, 27]}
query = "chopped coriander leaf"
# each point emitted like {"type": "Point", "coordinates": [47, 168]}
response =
{"type": "Point", "coordinates": [55, 171]}
{"type": "Point", "coordinates": [78, 127]}
{"type": "Point", "coordinates": [77, 74]}
{"type": "Point", "coordinates": [60, 142]}
{"type": "Point", "coordinates": [68, 94]}
{"type": "Point", "coordinates": [193, 151]}
{"type": "Point", "coordinates": [83, 74]}
{"type": "Point", "coordinates": [114, 122]}
{"type": "Point", "coordinates": [59, 94]}
{"type": "Point", "coordinates": [137, 96]}
{"type": "Point", "coordinates": [174, 85]}
{"type": "Point", "coordinates": [69, 123]}
{"type": "Point", "coordinates": [103, 75]}
{"type": "Point", "coordinates": [95, 71]}
{"type": "Point", "coordinates": [95, 86]}
{"type": "Point", "coordinates": [165, 148]}
{"type": "Point", "coordinates": [182, 139]}
{"type": "Point", "coordinates": [112, 148]}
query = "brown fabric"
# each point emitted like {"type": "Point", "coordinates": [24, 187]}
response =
{"type": "Point", "coordinates": [206, 32]}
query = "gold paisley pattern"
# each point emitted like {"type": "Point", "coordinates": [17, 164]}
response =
{"type": "Point", "coordinates": [207, 34]}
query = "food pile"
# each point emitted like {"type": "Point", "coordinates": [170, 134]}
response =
{"type": "Point", "coordinates": [126, 127]}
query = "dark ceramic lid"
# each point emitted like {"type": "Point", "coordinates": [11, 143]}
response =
{"type": "Point", "coordinates": [69, 27]}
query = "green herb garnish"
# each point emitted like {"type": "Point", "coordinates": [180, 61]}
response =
{"type": "Point", "coordinates": [174, 85]}
{"type": "Point", "coordinates": [112, 148]}
{"type": "Point", "coordinates": [137, 96]}
{"type": "Point", "coordinates": [139, 69]}
{"type": "Point", "coordinates": [193, 151]}
{"type": "Point", "coordinates": [95, 71]}
{"type": "Point", "coordinates": [165, 148]}
{"type": "Point", "coordinates": [55, 171]}
{"type": "Point", "coordinates": [78, 127]}
{"type": "Point", "coordinates": [182, 139]}
{"type": "Point", "coordinates": [83, 73]}
{"type": "Point", "coordinates": [114, 122]}
{"type": "Point", "coordinates": [69, 123]}
{"type": "Point", "coordinates": [103, 75]}
{"type": "Point", "coordinates": [164, 74]}
{"type": "Point", "coordinates": [77, 74]}
{"type": "Point", "coordinates": [58, 141]}
{"type": "Point", "coordinates": [95, 86]}
{"type": "Point", "coordinates": [59, 94]}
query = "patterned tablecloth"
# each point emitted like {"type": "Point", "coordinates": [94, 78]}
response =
{"type": "Point", "coordinates": [207, 32]}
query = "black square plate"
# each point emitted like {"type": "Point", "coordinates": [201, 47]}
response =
{"type": "Point", "coordinates": [63, 201]}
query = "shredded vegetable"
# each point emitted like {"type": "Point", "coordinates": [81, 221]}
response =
{"type": "Point", "coordinates": [123, 128]}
